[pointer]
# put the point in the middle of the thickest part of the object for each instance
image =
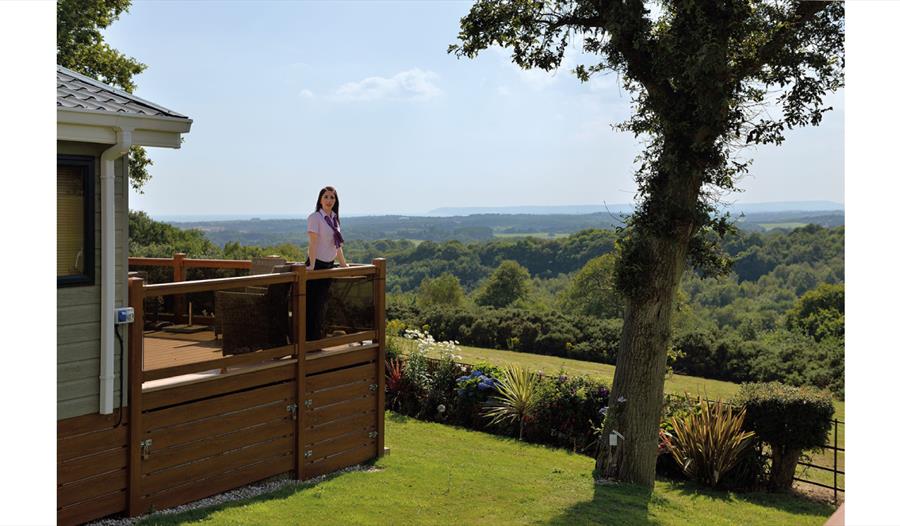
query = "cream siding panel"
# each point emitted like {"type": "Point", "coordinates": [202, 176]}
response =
{"type": "Point", "coordinates": [73, 352]}
{"type": "Point", "coordinates": [73, 407]}
{"type": "Point", "coordinates": [79, 314]}
{"type": "Point", "coordinates": [78, 308]}
{"type": "Point", "coordinates": [82, 369]}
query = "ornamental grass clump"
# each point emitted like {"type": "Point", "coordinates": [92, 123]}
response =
{"type": "Point", "coordinates": [516, 399]}
{"type": "Point", "coordinates": [708, 443]}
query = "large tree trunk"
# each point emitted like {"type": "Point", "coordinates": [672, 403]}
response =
{"type": "Point", "coordinates": [636, 400]}
{"type": "Point", "coordinates": [784, 464]}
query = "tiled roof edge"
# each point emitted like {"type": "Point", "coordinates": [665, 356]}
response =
{"type": "Point", "coordinates": [121, 93]}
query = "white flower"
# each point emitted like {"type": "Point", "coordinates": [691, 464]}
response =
{"type": "Point", "coordinates": [621, 400]}
{"type": "Point", "coordinates": [441, 408]}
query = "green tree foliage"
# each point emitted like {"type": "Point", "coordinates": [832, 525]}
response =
{"type": "Point", "coordinates": [443, 290]}
{"type": "Point", "coordinates": [819, 313]}
{"type": "Point", "coordinates": [728, 328]}
{"type": "Point", "coordinates": [507, 285]}
{"type": "Point", "coordinates": [149, 238]}
{"type": "Point", "coordinates": [80, 47]}
{"type": "Point", "coordinates": [593, 292]}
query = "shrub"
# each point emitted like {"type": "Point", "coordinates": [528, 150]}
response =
{"type": "Point", "coordinates": [709, 443]}
{"type": "Point", "coordinates": [436, 382]}
{"type": "Point", "coordinates": [789, 419]}
{"type": "Point", "coordinates": [444, 290]}
{"type": "Point", "coordinates": [516, 398]}
{"type": "Point", "coordinates": [567, 411]}
{"type": "Point", "coordinates": [472, 392]}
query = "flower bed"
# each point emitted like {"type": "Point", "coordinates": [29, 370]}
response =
{"type": "Point", "coordinates": [566, 411]}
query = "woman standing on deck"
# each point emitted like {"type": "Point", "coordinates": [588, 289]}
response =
{"type": "Point", "coordinates": [325, 245]}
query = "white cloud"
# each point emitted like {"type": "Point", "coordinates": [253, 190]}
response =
{"type": "Point", "coordinates": [413, 84]}
{"type": "Point", "coordinates": [306, 94]}
{"type": "Point", "coordinates": [539, 79]}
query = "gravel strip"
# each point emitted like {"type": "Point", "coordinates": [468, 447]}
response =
{"type": "Point", "coordinates": [246, 492]}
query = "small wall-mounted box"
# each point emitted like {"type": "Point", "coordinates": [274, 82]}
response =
{"type": "Point", "coordinates": [124, 315]}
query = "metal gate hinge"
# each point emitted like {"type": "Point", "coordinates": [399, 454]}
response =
{"type": "Point", "coordinates": [308, 403]}
{"type": "Point", "coordinates": [307, 453]}
{"type": "Point", "coordinates": [292, 409]}
{"type": "Point", "coordinates": [145, 448]}
{"type": "Point", "coordinates": [373, 434]}
{"type": "Point", "coordinates": [373, 387]}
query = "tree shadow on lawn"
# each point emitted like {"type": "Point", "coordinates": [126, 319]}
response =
{"type": "Point", "coordinates": [397, 417]}
{"type": "Point", "coordinates": [793, 503]}
{"type": "Point", "coordinates": [612, 504]}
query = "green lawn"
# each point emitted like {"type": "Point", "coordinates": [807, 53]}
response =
{"type": "Point", "coordinates": [676, 383]}
{"type": "Point", "coordinates": [437, 474]}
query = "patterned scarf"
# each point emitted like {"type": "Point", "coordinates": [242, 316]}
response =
{"type": "Point", "coordinates": [338, 238]}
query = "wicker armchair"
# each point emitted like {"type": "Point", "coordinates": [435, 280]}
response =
{"type": "Point", "coordinates": [258, 266]}
{"type": "Point", "coordinates": [251, 321]}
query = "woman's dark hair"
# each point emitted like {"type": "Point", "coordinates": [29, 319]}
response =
{"type": "Point", "coordinates": [337, 202]}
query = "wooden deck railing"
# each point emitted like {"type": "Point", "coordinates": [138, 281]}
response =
{"type": "Point", "coordinates": [262, 370]}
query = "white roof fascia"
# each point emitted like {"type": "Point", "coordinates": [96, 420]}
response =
{"type": "Point", "coordinates": [100, 127]}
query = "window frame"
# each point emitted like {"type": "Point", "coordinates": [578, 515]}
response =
{"type": "Point", "coordinates": [87, 165]}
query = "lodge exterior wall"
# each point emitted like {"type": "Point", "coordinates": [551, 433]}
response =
{"type": "Point", "coordinates": [78, 307]}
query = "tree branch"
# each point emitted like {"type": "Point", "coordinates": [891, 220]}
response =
{"type": "Point", "coordinates": [805, 11]}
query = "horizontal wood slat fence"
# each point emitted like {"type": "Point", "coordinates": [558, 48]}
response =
{"type": "Point", "coordinates": [197, 427]}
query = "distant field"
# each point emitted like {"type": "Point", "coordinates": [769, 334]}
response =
{"type": "Point", "coordinates": [539, 235]}
{"type": "Point", "coordinates": [788, 226]}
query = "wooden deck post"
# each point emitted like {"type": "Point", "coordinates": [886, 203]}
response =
{"type": "Point", "coordinates": [135, 379]}
{"type": "Point", "coordinates": [179, 274]}
{"type": "Point", "coordinates": [298, 308]}
{"type": "Point", "coordinates": [381, 336]}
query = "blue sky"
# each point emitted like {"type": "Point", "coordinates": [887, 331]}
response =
{"type": "Point", "coordinates": [287, 97]}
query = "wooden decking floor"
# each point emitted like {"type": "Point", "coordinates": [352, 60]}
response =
{"type": "Point", "coordinates": [164, 349]}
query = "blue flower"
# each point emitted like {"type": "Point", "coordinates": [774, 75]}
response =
{"type": "Point", "coordinates": [476, 373]}
{"type": "Point", "coordinates": [463, 379]}
{"type": "Point", "coordinates": [484, 386]}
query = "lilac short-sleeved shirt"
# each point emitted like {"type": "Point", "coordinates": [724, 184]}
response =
{"type": "Point", "coordinates": [325, 249]}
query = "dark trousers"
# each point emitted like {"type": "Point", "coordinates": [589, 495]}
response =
{"type": "Point", "coordinates": [316, 303]}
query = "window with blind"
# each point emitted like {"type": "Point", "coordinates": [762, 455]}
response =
{"type": "Point", "coordinates": [74, 220]}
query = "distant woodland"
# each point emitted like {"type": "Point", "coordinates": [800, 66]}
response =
{"type": "Point", "coordinates": [481, 227]}
{"type": "Point", "coordinates": [779, 315]}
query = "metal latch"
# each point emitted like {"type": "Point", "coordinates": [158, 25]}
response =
{"type": "Point", "coordinates": [292, 408]}
{"type": "Point", "coordinates": [307, 453]}
{"type": "Point", "coordinates": [373, 387]}
{"type": "Point", "coordinates": [145, 448]}
{"type": "Point", "coordinates": [373, 434]}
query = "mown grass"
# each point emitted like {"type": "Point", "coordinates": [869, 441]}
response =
{"type": "Point", "coordinates": [675, 384]}
{"type": "Point", "coordinates": [437, 474]}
